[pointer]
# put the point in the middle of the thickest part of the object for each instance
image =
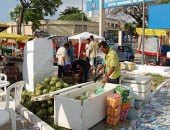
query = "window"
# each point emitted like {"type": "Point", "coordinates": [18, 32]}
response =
{"type": "Point", "coordinates": [14, 29]}
{"type": "Point", "coordinates": [78, 28]}
{"type": "Point", "coordinates": [112, 25]}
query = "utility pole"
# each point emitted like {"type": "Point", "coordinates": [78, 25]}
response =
{"type": "Point", "coordinates": [143, 32]}
{"type": "Point", "coordinates": [82, 18]}
{"type": "Point", "coordinates": [102, 18]}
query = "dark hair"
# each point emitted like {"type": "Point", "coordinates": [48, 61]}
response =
{"type": "Point", "coordinates": [88, 39]}
{"type": "Point", "coordinates": [103, 43]}
{"type": "Point", "coordinates": [92, 37]}
{"type": "Point", "coordinates": [66, 45]}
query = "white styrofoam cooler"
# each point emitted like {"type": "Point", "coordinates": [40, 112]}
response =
{"type": "Point", "coordinates": [81, 115]}
{"type": "Point", "coordinates": [141, 86]}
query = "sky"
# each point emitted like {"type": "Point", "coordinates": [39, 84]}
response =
{"type": "Point", "coordinates": [6, 6]}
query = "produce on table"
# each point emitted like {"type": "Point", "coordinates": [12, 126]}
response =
{"type": "Point", "coordinates": [43, 109]}
{"type": "Point", "coordinates": [49, 84]}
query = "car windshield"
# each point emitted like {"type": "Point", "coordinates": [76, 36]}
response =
{"type": "Point", "coordinates": [44, 34]}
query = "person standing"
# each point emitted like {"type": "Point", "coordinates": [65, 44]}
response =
{"type": "Point", "coordinates": [111, 63]}
{"type": "Point", "coordinates": [93, 46]}
{"type": "Point", "coordinates": [70, 51]}
{"type": "Point", "coordinates": [62, 58]}
{"type": "Point", "coordinates": [87, 52]}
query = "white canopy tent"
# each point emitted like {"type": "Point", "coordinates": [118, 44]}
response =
{"type": "Point", "coordinates": [84, 35]}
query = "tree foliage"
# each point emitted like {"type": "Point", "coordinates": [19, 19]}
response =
{"type": "Point", "coordinates": [33, 11]}
{"type": "Point", "coordinates": [163, 1]}
{"type": "Point", "coordinates": [72, 14]}
{"type": "Point", "coordinates": [74, 17]}
{"type": "Point", "coordinates": [136, 11]}
{"type": "Point", "coordinates": [70, 10]}
{"type": "Point", "coordinates": [131, 27]}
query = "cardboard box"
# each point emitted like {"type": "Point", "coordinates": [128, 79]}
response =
{"type": "Point", "coordinates": [127, 65]}
{"type": "Point", "coordinates": [81, 115]}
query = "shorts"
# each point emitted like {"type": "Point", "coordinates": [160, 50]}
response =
{"type": "Point", "coordinates": [93, 61]}
{"type": "Point", "coordinates": [114, 81]}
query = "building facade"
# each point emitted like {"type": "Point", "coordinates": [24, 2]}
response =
{"type": "Point", "coordinates": [69, 28]}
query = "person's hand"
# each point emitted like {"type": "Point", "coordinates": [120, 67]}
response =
{"type": "Point", "coordinates": [104, 80]}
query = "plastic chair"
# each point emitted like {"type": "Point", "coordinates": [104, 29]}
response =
{"type": "Point", "coordinates": [3, 77]}
{"type": "Point", "coordinates": [3, 84]}
{"type": "Point", "coordinates": [7, 111]}
{"type": "Point", "coordinates": [12, 72]}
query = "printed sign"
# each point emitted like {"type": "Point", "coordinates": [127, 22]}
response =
{"type": "Point", "coordinates": [94, 4]}
{"type": "Point", "coordinates": [114, 3]}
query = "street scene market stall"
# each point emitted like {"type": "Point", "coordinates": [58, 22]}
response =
{"type": "Point", "coordinates": [43, 100]}
{"type": "Point", "coordinates": [12, 47]}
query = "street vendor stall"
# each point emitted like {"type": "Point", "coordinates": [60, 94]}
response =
{"type": "Point", "coordinates": [10, 42]}
{"type": "Point", "coordinates": [83, 36]}
{"type": "Point", "coordinates": [154, 47]}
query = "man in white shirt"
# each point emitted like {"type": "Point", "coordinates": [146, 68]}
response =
{"type": "Point", "coordinates": [62, 58]}
{"type": "Point", "coordinates": [87, 51]}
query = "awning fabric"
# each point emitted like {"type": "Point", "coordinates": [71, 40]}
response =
{"type": "Point", "coordinates": [151, 32]}
{"type": "Point", "coordinates": [14, 36]}
{"type": "Point", "coordinates": [3, 27]}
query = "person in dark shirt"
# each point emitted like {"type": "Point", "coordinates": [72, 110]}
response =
{"type": "Point", "coordinates": [70, 51]}
{"type": "Point", "coordinates": [83, 67]}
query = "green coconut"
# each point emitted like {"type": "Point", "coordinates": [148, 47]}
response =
{"type": "Point", "coordinates": [58, 85]}
{"type": "Point", "coordinates": [54, 78]}
{"type": "Point", "coordinates": [45, 91]}
{"type": "Point", "coordinates": [50, 110]}
{"type": "Point", "coordinates": [38, 92]}
{"type": "Point", "coordinates": [52, 83]}
{"type": "Point", "coordinates": [65, 85]}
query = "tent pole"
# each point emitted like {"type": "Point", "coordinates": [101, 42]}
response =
{"type": "Point", "coordinates": [143, 32]}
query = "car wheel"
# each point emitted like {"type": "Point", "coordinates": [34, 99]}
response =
{"type": "Point", "coordinates": [131, 59]}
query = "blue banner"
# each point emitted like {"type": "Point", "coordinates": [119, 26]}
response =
{"type": "Point", "coordinates": [94, 4]}
{"type": "Point", "coordinates": [116, 3]}
{"type": "Point", "coordinates": [159, 16]}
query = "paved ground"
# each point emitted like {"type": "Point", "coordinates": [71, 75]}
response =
{"type": "Point", "coordinates": [19, 125]}
{"type": "Point", "coordinates": [156, 114]}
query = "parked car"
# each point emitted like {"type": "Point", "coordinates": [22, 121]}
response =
{"type": "Point", "coordinates": [41, 34]}
{"type": "Point", "coordinates": [125, 53]}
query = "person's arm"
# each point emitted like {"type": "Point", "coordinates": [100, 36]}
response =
{"type": "Point", "coordinates": [63, 58]}
{"type": "Point", "coordinates": [64, 55]}
{"type": "Point", "coordinates": [90, 48]}
{"type": "Point", "coordinates": [102, 66]}
{"type": "Point", "coordinates": [110, 71]}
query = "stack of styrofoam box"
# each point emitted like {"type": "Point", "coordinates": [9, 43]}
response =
{"type": "Point", "coordinates": [114, 102]}
{"type": "Point", "coordinates": [125, 101]}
